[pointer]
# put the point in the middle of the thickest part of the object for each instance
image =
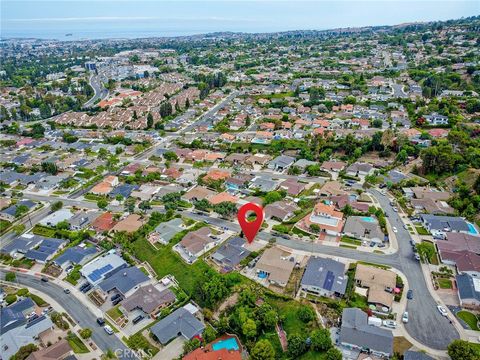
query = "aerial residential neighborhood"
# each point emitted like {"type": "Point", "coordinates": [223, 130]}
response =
{"type": "Point", "coordinates": [124, 163]}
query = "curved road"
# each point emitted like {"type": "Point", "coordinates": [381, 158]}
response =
{"type": "Point", "coordinates": [99, 91]}
{"type": "Point", "coordinates": [426, 325]}
{"type": "Point", "coordinates": [79, 312]}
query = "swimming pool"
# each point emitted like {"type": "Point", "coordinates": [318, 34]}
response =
{"type": "Point", "coordinates": [472, 229]}
{"type": "Point", "coordinates": [229, 344]}
{"type": "Point", "coordinates": [368, 219]}
{"type": "Point", "coordinates": [262, 275]}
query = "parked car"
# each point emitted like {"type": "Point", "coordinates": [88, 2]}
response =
{"type": "Point", "coordinates": [405, 226]}
{"type": "Point", "coordinates": [390, 324]}
{"type": "Point", "coordinates": [115, 297]}
{"type": "Point", "coordinates": [44, 279]}
{"type": "Point", "coordinates": [100, 321]}
{"type": "Point", "coordinates": [417, 257]}
{"type": "Point", "coordinates": [395, 209]}
{"type": "Point", "coordinates": [410, 294]}
{"type": "Point", "coordinates": [137, 319]}
{"type": "Point", "coordinates": [108, 329]}
{"type": "Point", "coordinates": [66, 291]}
{"type": "Point", "coordinates": [405, 317]}
{"type": "Point", "coordinates": [389, 289]}
{"type": "Point", "coordinates": [394, 229]}
{"type": "Point", "coordinates": [442, 310]}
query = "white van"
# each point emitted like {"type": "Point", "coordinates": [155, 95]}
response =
{"type": "Point", "coordinates": [108, 329]}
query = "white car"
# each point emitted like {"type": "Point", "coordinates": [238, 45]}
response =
{"type": "Point", "coordinates": [442, 310]}
{"type": "Point", "coordinates": [394, 229]}
{"type": "Point", "coordinates": [395, 209]}
{"type": "Point", "coordinates": [405, 317]}
{"type": "Point", "coordinates": [108, 329]}
{"type": "Point", "coordinates": [390, 324]}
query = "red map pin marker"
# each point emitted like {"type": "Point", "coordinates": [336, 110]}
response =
{"type": "Point", "coordinates": [250, 228]}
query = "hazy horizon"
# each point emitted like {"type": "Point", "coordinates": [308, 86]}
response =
{"type": "Point", "coordinates": [100, 19]}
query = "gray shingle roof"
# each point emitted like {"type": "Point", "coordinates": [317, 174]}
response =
{"type": "Point", "coordinates": [22, 243]}
{"type": "Point", "coordinates": [454, 223]}
{"type": "Point", "coordinates": [12, 316]}
{"type": "Point", "coordinates": [179, 322]}
{"type": "Point", "coordinates": [46, 248]}
{"type": "Point", "coordinates": [416, 355]}
{"type": "Point", "coordinates": [75, 255]}
{"type": "Point", "coordinates": [355, 330]}
{"type": "Point", "coordinates": [466, 287]}
{"type": "Point", "coordinates": [231, 252]}
{"type": "Point", "coordinates": [124, 280]}
{"type": "Point", "coordinates": [325, 274]}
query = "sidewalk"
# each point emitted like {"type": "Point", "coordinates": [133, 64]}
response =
{"type": "Point", "coordinates": [74, 328]}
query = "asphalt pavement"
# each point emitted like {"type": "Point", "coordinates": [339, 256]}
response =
{"type": "Point", "coordinates": [426, 324]}
{"type": "Point", "coordinates": [79, 312]}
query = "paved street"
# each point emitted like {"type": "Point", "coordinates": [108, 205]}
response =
{"type": "Point", "coordinates": [99, 91]}
{"type": "Point", "coordinates": [29, 221]}
{"type": "Point", "coordinates": [79, 312]}
{"type": "Point", "coordinates": [419, 327]}
{"type": "Point", "coordinates": [210, 112]}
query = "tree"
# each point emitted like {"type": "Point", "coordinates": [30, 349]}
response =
{"type": "Point", "coordinates": [170, 156]}
{"type": "Point", "coordinates": [462, 350]}
{"type": "Point", "coordinates": [294, 170]}
{"type": "Point", "coordinates": [209, 334]}
{"type": "Point", "coordinates": [19, 228]}
{"type": "Point", "coordinates": [187, 103]}
{"type": "Point", "coordinates": [314, 228]}
{"type": "Point", "coordinates": [272, 197]}
{"type": "Point", "coordinates": [214, 290]}
{"type": "Point", "coordinates": [10, 298]}
{"type": "Point", "coordinates": [305, 313]}
{"type": "Point", "coordinates": [321, 340]}
{"type": "Point", "coordinates": [24, 352]}
{"type": "Point", "coordinates": [102, 203]}
{"type": "Point", "coordinates": [225, 208]}
{"type": "Point", "coordinates": [85, 333]}
{"type": "Point", "coordinates": [296, 346]}
{"type": "Point", "coordinates": [21, 210]}
{"type": "Point", "coordinates": [149, 120]}
{"type": "Point", "coordinates": [249, 328]}
{"type": "Point", "coordinates": [10, 276]}
{"type": "Point", "coordinates": [49, 167]}
{"type": "Point", "coordinates": [191, 345]}
{"type": "Point", "coordinates": [333, 354]}
{"type": "Point", "coordinates": [57, 205]}
{"type": "Point", "coordinates": [402, 156]}
{"type": "Point", "coordinates": [263, 350]}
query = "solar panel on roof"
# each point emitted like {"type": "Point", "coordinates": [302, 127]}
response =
{"type": "Point", "coordinates": [97, 273]}
{"type": "Point", "coordinates": [329, 279]}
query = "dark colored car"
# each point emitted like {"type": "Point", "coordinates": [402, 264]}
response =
{"type": "Point", "coordinates": [44, 279]}
{"type": "Point", "coordinates": [137, 319]}
{"type": "Point", "coordinates": [100, 321]}
{"type": "Point", "coordinates": [115, 297]}
{"type": "Point", "coordinates": [410, 294]}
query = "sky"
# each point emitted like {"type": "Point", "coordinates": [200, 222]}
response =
{"type": "Point", "coordinates": [143, 18]}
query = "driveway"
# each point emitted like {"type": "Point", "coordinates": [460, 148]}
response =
{"type": "Point", "coordinates": [79, 312]}
{"type": "Point", "coordinates": [426, 325]}
{"type": "Point", "coordinates": [172, 351]}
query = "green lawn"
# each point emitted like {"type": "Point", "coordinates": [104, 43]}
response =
{"type": "Point", "coordinates": [76, 344]}
{"type": "Point", "coordinates": [421, 230]}
{"type": "Point", "coordinates": [444, 283]}
{"type": "Point", "coordinates": [43, 231]}
{"type": "Point", "coordinates": [469, 318]}
{"type": "Point", "coordinates": [288, 310]}
{"type": "Point", "coordinates": [350, 240]}
{"type": "Point", "coordinates": [115, 312]}
{"type": "Point", "coordinates": [165, 261]}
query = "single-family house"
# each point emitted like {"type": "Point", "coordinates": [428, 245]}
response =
{"type": "Point", "coordinates": [275, 265]}
{"type": "Point", "coordinates": [324, 277]}
{"type": "Point", "coordinates": [231, 253]}
{"type": "Point", "coordinates": [148, 299]}
{"type": "Point", "coordinates": [179, 323]}
{"type": "Point", "coordinates": [357, 334]}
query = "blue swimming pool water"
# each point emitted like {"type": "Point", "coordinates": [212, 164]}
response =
{"type": "Point", "coordinates": [472, 229]}
{"type": "Point", "coordinates": [262, 275]}
{"type": "Point", "coordinates": [229, 344]}
{"type": "Point", "coordinates": [368, 219]}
